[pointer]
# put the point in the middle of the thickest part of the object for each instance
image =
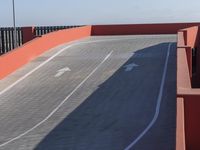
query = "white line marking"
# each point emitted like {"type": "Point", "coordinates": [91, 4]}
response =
{"type": "Point", "coordinates": [38, 67]}
{"type": "Point", "coordinates": [159, 99]}
{"type": "Point", "coordinates": [95, 41]}
{"type": "Point", "coordinates": [45, 62]}
{"type": "Point", "coordinates": [61, 72]}
{"type": "Point", "coordinates": [78, 86]}
{"type": "Point", "coordinates": [35, 69]}
{"type": "Point", "coordinates": [49, 59]}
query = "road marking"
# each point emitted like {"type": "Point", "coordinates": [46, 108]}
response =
{"type": "Point", "coordinates": [41, 65]}
{"type": "Point", "coordinates": [35, 69]}
{"type": "Point", "coordinates": [61, 72]}
{"type": "Point", "coordinates": [130, 67]}
{"type": "Point", "coordinates": [77, 87]}
{"type": "Point", "coordinates": [49, 59]}
{"type": "Point", "coordinates": [159, 99]}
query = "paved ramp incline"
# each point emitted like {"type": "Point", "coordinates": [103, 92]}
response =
{"type": "Point", "coordinates": [99, 93]}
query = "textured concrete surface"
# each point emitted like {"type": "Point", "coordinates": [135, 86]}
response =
{"type": "Point", "coordinates": [107, 112]}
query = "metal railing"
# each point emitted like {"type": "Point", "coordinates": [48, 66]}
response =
{"type": "Point", "coordinates": [7, 35]}
{"type": "Point", "coordinates": [7, 39]}
{"type": "Point", "coordinates": [47, 29]}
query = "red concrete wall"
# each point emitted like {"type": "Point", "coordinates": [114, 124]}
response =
{"type": "Point", "coordinates": [180, 125]}
{"type": "Point", "coordinates": [22, 55]}
{"type": "Point", "coordinates": [183, 69]}
{"type": "Point", "coordinates": [191, 36]}
{"type": "Point", "coordinates": [196, 77]}
{"type": "Point", "coordinates": [192, 120]}
{"type": "Point", "coordinates": [191, 40]}
{"type": "Point", "coordinates": [28, 34]}
{"type": "Point", "coordinates": [187, 39]}
{"type": "Point", "coordinates": [130, 29]}
{"type": "Point", "coordinates": [183, 76]}
{"type": "Point", "coordinates": [183, 82]}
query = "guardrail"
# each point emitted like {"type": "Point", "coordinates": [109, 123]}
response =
{"type": "Point", "coordinates": [38, 31]}
{"type": "Point", "coordinates": [7, 35]}
{"type": "Point", "coordinates": [7, 39]}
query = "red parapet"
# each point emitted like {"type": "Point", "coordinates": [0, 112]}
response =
{"type": "Point", "coordinates": [192, 121]}
{"type": "Point", "coordinates": [180, 125]}
{"type": "Point", "coordinates": [28, 34]}
{"type": "Point", "coordinates": [22, 55]}
{"type": "Point", "coordinates": [136, 29]}
{"type": "Point", "coordinates": [187, 40]}
{"type": "Point", "coordinates": [183, 75]}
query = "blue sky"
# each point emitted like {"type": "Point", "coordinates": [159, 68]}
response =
{"type": "Point", "coordinates": [72, 12]}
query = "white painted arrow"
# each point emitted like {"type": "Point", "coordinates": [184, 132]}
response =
{"type": "Point", "coordinates": [62, 71]}
{"type": "Point", "coordinates": [129, 67]}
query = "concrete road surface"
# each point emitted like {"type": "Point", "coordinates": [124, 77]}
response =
{"type": "Point", "coordinates": [99, 93]}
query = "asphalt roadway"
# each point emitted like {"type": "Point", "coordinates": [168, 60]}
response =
{"type": "Point", "coordinates": [99, 93]}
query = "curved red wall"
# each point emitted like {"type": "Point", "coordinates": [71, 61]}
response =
{"type": "Point", "coordinates": [22, 55]}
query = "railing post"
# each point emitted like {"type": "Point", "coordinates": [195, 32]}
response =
{"type": "Point", "coordinates": [27, 34]}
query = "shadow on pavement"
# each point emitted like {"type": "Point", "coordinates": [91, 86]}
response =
{"type": "Point", "coordinates": [116, 113]}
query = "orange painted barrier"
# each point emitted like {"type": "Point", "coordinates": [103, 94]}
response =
{"type": "Point", "coordinates": [136, 29]}
{"type": "Point", "coordinates": [191, 35]}
{"type": "Point", "coordinates": [22, 55]}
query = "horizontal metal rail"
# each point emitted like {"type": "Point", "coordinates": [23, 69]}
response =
{"type": "Point", "coordinates": [47, 29]}
{"type": "Point", "coordinates": [7, 39]}
{"type": "Point", "coordinates": [7, 35]}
